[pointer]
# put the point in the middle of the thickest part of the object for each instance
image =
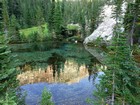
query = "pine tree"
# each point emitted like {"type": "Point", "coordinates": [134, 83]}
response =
{"type": "Point", "coordinates": [58, 18]}
{"type": "Point", "coordinates": [51, 16]}
{"type": "Point", "coordinates": [46, 98]}
{"type": "Point", "coordinates": [0, 16]}
{"type": "Point", "coordinates": [119, 85]}
{"type": "Point", "coordinates": [39, 16]}
{"type": "Point", "coordinates": [40, 21]}
{"type": "Point", "coordinates": [131, 18]}
{"type": "Point", "coordinates": [14, 29]}
{"type": "Point", "coordinates": [55, 18]}
{"type": "Point", "coordinates": [14, 8]}
{"type": "Point", "coordinates": [7, 75]}
{"type": "Point", "coordinates": [5, 18]}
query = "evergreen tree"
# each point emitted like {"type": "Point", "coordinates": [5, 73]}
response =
{"type": "Point", "coordinates": [55, 18]}
{"type": "Point", "coordinates": [39, 16]}
{"type": "Point", "coordinates": [14, 8]}
{"type": "Point", "coordinates": [119, 85]}
{"type": "Point", "coordinates": [132, 18]}
{"type": "Point", "coordinates": [51, 16]}
{"type": "Point", "coordinates": [14, 29]}
{"type": "Point", "coordinates": [46, 98]}
{"type": "Point", "coordinates": [58, 18]}
{"type": "Point", "coordinates": [5, 18]}
{"type": "Point", "coordinates": [7, 73]}
{"type": "Point", "coordinates": [40, 21]}
{"type": "Point", "coordinates": [0, 16]}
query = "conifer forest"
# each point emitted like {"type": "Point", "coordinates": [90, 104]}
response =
{"type": "Point", "coordinates": [69, 52]}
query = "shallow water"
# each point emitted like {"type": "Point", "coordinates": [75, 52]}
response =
{"type": "Point", "coordinates": [65, 69]}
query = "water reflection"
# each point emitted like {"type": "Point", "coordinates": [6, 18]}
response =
{"type": "Point", "coordinates": [56, 63]}
{"type": "Point", "coordinates": [67, 72]}
{"type": "Point", "coordinates": [62, 94]}
{"type": "Point", "coordinates": [75, 91]}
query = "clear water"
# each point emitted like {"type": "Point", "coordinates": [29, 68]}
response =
{"type": "Point", "coordinates": [65, 69]}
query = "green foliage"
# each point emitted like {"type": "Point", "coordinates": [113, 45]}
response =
{"type": "Point", "coordinates": [1, 39]}
{"type": "Point", "coordinates": [73, 27]}
{"type": "Point", "coordinates": [58, 21]}
{"type": "Point", "coordinates": [0, 17]}
{"type": "Point", "coordinates": [35, 33]}
{"type": "Point", "coordinates": [7, 75]}
{"type": "Point", "coordinates": [136, 49]}
{"type": "Point", "coordinates": [119, 85]}
{"type": "Point", "coordinates": [121, 69]}
{"type": "Point", "coordinates": [14, 29]}
{"type": "Point", "coordinates": [55, 13]}
{"type": "Point", "coordinates": [83, 12]}
{"type": "Point", "coordinates": [5, 14]}
{"type": "Point", "coordinates": [46, 98]}
{"type": "Point", "coordinates": [12, 98]}
{"type": "Point", "coordinates": [51, 16]}
{"type": "Point", "coordinates": [131, 21]}
{"type": "Point", "coordinates": [55, 18]}
{"type": "Point", "coordinates": [39, 17]}
{"type": "Point", "coordinates": [14, 23]}
{"type": "Point", "coordinates": [8, 100]}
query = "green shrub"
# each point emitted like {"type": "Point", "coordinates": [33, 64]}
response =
{"type": "Point", "coordinates": [46, 98]}
{"type": "Point", "coordinates": [33, 34]}
{"type": "Point", "coordinates": [1, 38]}
{"type": "Point", "coordinates": [136, 49]}
{"type": "Point", "coordinates": [8, 100]}
{"type": "Point", "coordinates": [73, 27]}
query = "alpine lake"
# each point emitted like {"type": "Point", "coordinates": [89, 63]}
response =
{"type": "Point", "coordinates": [67, 70]}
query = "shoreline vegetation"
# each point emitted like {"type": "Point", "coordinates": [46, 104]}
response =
{"type": "Point", "coordinates": [26, 24]}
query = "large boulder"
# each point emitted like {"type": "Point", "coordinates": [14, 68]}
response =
{"type": "Point", "coordinates": [105, 29]}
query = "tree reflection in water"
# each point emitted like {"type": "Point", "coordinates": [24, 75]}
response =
{"type": "Point", "coordinates": [66, 71]}
{"type": "Point", "coordinates": [56, 61]}
{"type": "Point", "coordinates": [59, 70]}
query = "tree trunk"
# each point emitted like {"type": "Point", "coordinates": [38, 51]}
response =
{"type": "Point", "coordinates": [6, 33]}
{"type": "Point", "coordinates": [123, 102]}
{"type": "Point", "coordinates": [132, 31]}
{"type": "Point", "coordinates": [113, 88]}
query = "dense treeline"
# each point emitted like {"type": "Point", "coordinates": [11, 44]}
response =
{"type": "Point", "coordinates": [22, 14]}
{"type": "Point", "coordinates": [72, 11]}
{"type": "Point", "coordinates": [132, 22]}
{"type": "Point", "coordinates": [57, 14]}
{"type": "Point", "coordinates": [121, 69]}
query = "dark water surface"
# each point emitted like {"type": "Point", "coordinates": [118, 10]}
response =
{"type": "Point", "coordinates": [64, 69]}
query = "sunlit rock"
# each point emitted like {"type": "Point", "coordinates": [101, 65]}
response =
{"type": "Point", "coordinates": [105, 29]}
